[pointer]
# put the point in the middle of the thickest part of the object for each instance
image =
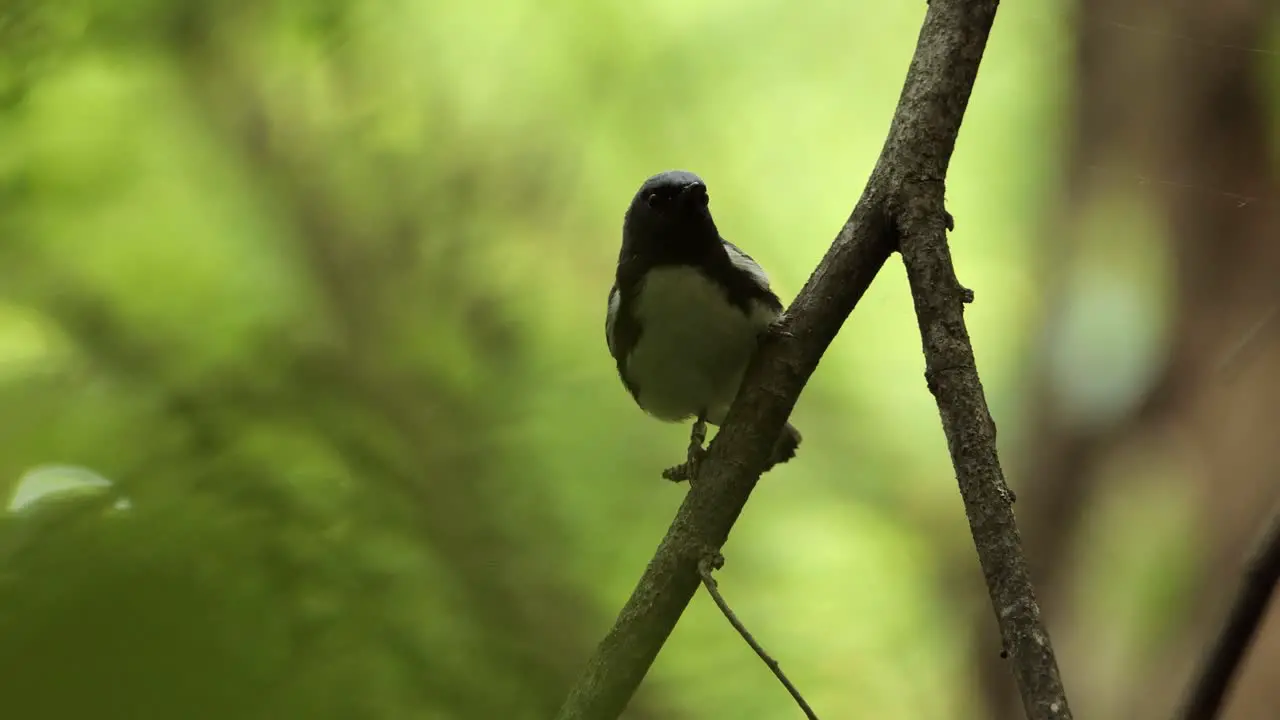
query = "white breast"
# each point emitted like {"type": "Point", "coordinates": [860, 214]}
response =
{"type": "Point", "coordinates": [694, 345]}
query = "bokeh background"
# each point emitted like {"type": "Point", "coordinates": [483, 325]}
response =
{"type": "Point", "coordinates": [306, 411]}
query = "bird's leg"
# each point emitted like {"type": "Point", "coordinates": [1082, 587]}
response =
{"type": "Point", "coordinates": [689, 468]}
{"type": "Point", "coordinates": [697, 438]}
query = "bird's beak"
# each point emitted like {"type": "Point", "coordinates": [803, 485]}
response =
{"type": "Point", "coordinates": [695, 193]}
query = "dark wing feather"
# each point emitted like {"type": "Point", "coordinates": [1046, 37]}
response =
{"type": "Point", "coordinates": [611, 320]}
{"type": "Point", "coordinates": [621, 331]}
{"type": "Point", "coordinates": [752, 278]}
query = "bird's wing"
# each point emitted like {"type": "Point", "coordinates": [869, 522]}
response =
{"type": "Point", "coordinates": [753, 280]}
{"type": "Point", "coordinates": [743, 262]}
{"type": "Point", "coordinates": [611, 320]}
{"type": "Point", "coordinates": [621, 331]}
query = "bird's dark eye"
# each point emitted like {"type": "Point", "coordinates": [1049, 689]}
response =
{"type": "Point", "coordinates": [652, 199]}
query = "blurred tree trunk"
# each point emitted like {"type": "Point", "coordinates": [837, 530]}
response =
{"type": "Point", "coordinates": [1169, 109]}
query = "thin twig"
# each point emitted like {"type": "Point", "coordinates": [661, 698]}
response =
{"type": "Point", "coordinates": [1237, 634]}
{"type": "Point", "coordinates": [706, 566]}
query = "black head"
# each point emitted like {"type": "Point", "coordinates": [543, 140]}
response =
{"type": "Point", "coordinates": [670, 215]}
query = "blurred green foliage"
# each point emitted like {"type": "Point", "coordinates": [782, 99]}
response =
{"type": "Point", "coordinates": [318, 286]}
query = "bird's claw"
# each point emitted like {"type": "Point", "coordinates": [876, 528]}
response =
{"type": "Point", "coordinates": [779, 329]}
{"type": "Point", "coordinates": [688, 469]}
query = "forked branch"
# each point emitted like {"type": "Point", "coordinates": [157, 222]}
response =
{"type": "Point", "coordinates": [902, 201]}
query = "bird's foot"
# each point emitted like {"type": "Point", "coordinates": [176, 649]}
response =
{"type": "Point", "coordinates": [780, 328]}
{"type": "Point", "coordinates": [688, 469]}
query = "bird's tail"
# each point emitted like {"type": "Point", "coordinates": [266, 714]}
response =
{"type": "Point", "coordinates": [786, 447]}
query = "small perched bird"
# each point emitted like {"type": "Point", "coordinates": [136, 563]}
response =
{"type": "Point", "coordinates": [686, 312]}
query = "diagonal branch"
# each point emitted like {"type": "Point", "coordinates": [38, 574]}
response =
{"type": "Point", "coordinates": [1247, 612]}
{"type": "Point", "coordinates": [952, 376]}
{"type": "Point", "coordinates": [904, 194]}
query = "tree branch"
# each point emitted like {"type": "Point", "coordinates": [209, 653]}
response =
{"type": "Point", "coordinates": [904, 194]}
{"type": "Point", "coordinates": [1237, 634]}
{"type": "Point", "coordinates": [952, 376]}
{"type": "Point", "coordinates": [708, 565]}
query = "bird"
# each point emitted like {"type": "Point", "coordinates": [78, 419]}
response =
{"type": "Point", "coordinates": [686, 312]}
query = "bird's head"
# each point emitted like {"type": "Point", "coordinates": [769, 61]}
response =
{"type": "Point", "coordinates": [671, 209]}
